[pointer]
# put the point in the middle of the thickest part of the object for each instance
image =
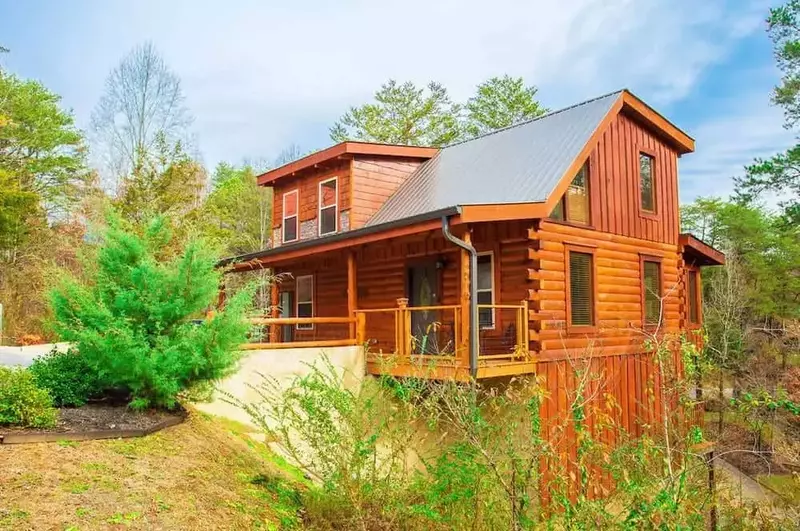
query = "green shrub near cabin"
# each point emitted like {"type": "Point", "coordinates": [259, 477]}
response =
{"type": "Point", "coordinates": [67, 376]}
{"type": "Point", "coordinates": [138, 317]}
{"type": "Point", "coordinates": [22, 403]}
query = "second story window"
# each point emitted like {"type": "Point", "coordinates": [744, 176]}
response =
{"type": "Point", "coordinates": [290, 208]}
{"type": "Point", "coordinates": [647, 183]}
{"type": "Point", "coordinates": [651, 285]}
{"type": "Point", "coordinates": [328, 206]}
{"type": "Point", "coordinates": [574, 205]}
{"type": "Point", "coordinates": [581, 289]}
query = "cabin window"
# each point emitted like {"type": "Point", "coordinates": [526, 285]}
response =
{"type": "Point", "coordinates": [305, 300]}
{"type": "Point", "coordinates": [651, 284]}
{"type": "Point", "coordinates": [581, 288]}
{"type": "Point", "coordinates": [694, 299]}
{"type": "Point", "coordinates": [290, 216]}
{"type": "Point", "coordinates": [646, 181]}
{"type": "Point", "coordinates": [574, 204]}
{"type": "Point", "coordinates": [328, 206]}
{"type": "Point", "coordinates": [485, 290]}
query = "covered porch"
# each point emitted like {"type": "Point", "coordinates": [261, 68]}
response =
{"type": "Point", "coordinates": [407, 300]}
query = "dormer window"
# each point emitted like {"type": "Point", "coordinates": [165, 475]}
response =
{"type": "Point", "coordinates": [328, 206]}
{"type": "Point", "coordinates": [574, 205]}
{"type": "Point", "coordinates": [290, 208]}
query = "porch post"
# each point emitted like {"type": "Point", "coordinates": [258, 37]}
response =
{"type": "Point", "coordinates": [352, 294]}
{"type": "Point", "coordinates": [221, 293]}
{"type": "Point", "coordinates": [464, 299]}
{"type": "Point", "coordinates": [274, 311]}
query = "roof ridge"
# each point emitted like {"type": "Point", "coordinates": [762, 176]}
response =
{"type": "Point", "coordinates": [526, 122]}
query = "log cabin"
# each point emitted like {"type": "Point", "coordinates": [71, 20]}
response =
{"type": "Point", "coordinates": [503, 255]}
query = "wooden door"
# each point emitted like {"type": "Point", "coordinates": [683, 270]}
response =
{"type": "Point", "coordinates": [423, 290]}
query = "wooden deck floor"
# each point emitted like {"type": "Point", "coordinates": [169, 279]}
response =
{"type": "Point", "coordinates": [444, 367]}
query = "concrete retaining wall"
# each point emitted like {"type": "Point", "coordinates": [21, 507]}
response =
{"type": "Point", "coordinates": [284, 365]}
{"type": "Point", "coordinates": [24, 355]}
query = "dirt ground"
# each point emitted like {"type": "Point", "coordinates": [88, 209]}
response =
{"type": "Point", "coordinates": [98, 417]}
{"type": "Point", "coordinates": [203, 474]}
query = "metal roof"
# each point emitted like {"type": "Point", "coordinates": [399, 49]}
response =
{"type": "Point", "coordinates": [519, 164]}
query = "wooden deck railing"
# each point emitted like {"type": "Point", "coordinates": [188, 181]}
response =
{"type": "Point", "coordinates": [419, 333]}
{"type": "Point", "coordinates": [273, 325]}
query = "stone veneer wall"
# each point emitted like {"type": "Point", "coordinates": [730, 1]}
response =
{"type": "Point", "coordinates": [309, 229]}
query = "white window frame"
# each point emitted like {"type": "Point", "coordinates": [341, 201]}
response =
{"type": "Point", "coordinates": [335, 206]}
{"type": "Point", "coordinates": [490, 254]}
{"type": "Point", "coordinates": [296, 191]}
{"type": "Point", "coordinates": [297, 301]}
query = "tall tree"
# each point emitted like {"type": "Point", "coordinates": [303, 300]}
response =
{"type": "Point", "coordinates": [501, 102]}
{"type": "Point", "coordinates": [42, 162]}
{"type": "Point", "coordinates": [237, 212]}
{"type": "Point", "coordinates": [781, 173]}
{"type": "Point", "coordinates": [143, 100]}
{"type": "Point", "coordinates": [166, 182]}
{"type": "Point", "coordinates": [403, 114]}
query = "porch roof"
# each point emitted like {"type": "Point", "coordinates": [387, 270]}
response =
{"type": "Point", "coordinates": [700, 251]}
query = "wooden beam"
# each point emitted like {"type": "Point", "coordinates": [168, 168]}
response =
{"type": "Point", "coordinates": [286, 253]}
{"type": "Point", "coordinates": [299, 344]}
{"type": "Point", "coordinates": [274, 330]}
{"type": "Point", "coordinates": [352, 294]}
{"type": "Point", "coordinates": [464, 298]}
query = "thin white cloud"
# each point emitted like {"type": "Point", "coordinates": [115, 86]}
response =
{"type": "Point", "coordinates": [261, 75]}
{"type": "Point", "coordinates": [746, 128]}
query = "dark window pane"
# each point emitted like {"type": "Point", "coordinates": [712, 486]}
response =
{"type": "Point", "coordinates": [485, 317]}
{"type": "Point", "coordinates": [646, 178]}
{"type": "Point", "coordinates": [581, 288]}
{"type": "Point", "coordinates": [578, 197]}
{"type": "Point", "coordinates": [652, 292]}
{"type": "Point", "coordinates": [485, 272]}
{"type": "Point", "coordinates": [290, 229]}
{"type": "Point", "coordinates": [694, 314]}
{"type": "Point", "coordinates": [558, 211]}
{"type": "Point", "coordinates": [484, 297]}
{"type": "Point", "coordinates": [327, 221]}
{"type": "Point", "coordinates": [305, 309]}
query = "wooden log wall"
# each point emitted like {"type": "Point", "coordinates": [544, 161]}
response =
{"type": "Point", "coordinates": [375, 179]}
{"type": "Point", "coordinates": [307, 184]}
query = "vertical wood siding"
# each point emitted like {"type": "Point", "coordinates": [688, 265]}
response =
{"type": "Point", "coordinates": [614, 183]}
{"type": "Point", "coordinates": [375, 179]}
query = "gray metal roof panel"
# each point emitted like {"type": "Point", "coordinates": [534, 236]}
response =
{"type": "Point", "coordinates": [518, 164]}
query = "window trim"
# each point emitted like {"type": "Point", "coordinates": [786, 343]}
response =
{"type": "Point", "coordinates": [698, 297]}
{"type": "Point", "coordinates": [295, 191]}
{"type": "Point", "coordinates": [335, 206]}
{"type": "Point", "coordinates": [579, 329]}
{"type": "Point", "coordinates": [660, 261]}
{"type": "Point", "coordinates": [297, 302]}
{"type": "Point", "coordinates": [493, 290]}
{"type": "Point", "coordinates": [565, 200]}
{"type": "Point", "coordinates": [642, 150]}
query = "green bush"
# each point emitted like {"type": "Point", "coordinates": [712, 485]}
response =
{"type": "Point", "coordinates": [134, 318]}
{"type": "Point", "coordinates": [21, 402]}
{"type": "Point", "coordinates": [67, 376]}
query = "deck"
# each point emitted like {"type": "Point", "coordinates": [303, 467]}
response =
{"type": "Point", "coordinates": [423, 342]}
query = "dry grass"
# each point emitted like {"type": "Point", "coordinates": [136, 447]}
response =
{"type": "Point", "coordinates": [203, 474]}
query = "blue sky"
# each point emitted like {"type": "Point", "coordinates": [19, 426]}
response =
{"type": "Point", "coordinates": [259, 76]}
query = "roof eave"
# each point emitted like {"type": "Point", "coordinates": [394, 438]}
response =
{"type": "Point", "coordinates": [343, 149]}
{"type": "Point", "coordinates": [706, 254]}
{"type": "Point", "coordinates": [337, 241]}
